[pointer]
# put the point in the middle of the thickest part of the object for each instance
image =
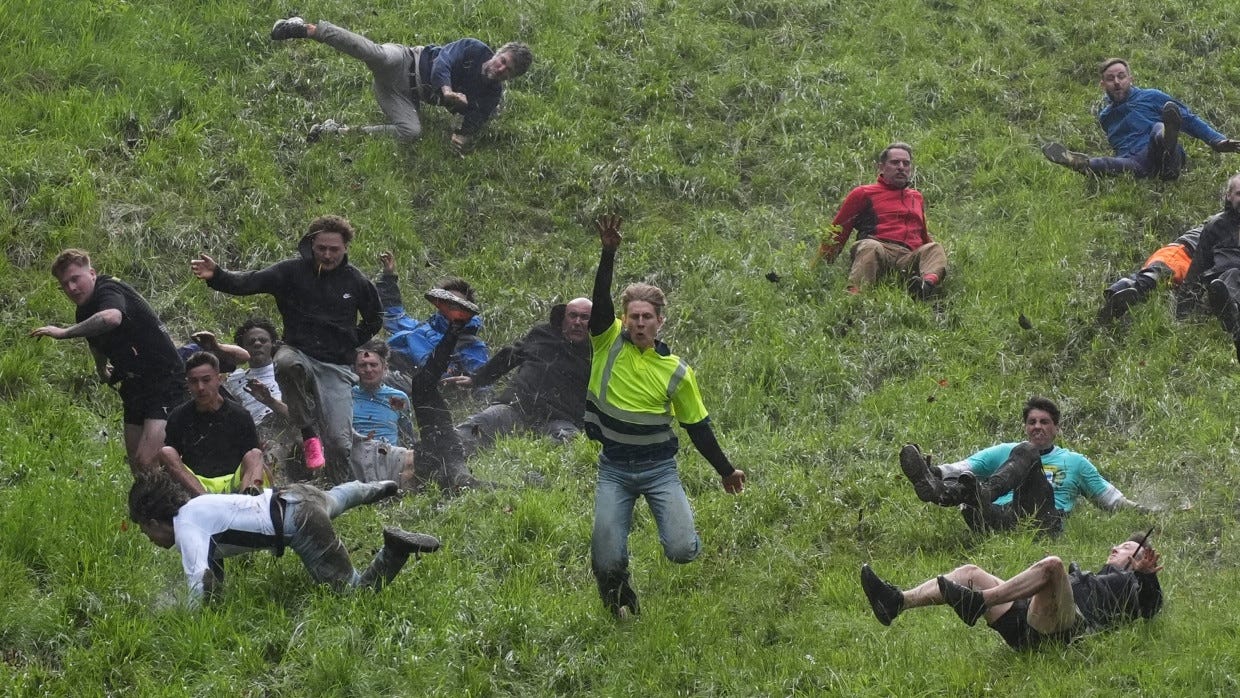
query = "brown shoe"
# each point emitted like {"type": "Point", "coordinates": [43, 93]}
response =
{"type": "Point", "coordinates": [1060, 155]}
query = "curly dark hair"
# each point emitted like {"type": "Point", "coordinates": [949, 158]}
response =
{"type": "Point", "coordinates": [261, 323]}
{"type": "Point", "coordinates": [155, 497]}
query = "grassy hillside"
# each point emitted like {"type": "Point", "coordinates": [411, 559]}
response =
{"type": "Point", "coordinates": [726, 132]}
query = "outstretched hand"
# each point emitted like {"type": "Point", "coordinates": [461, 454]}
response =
{"type": "Point", "coordinates": [1148, 561]}
{"type": "Point", "coordinates": [452, 98]}
{"type": "Point", "coordinates": [460, 143]}
{"type": "Point", "coordinates": [608, 227]}
{"type": "Point", "coordinates": [388, 262]}
{"type": "Point", "coordinates": [48, 331]}
{"type": "Point", "coordinates": [258, 390]}
{"type": "Point", "coordinates": [735, 482]}
{"type": "Point", "coordinates": [204, 268]}
{"type": "Point", "coordinates": [830, 252]}
{"type": "Point", "coordinates": [1227, 145]}
{"type": "Point", "coordinates": [206, 340]}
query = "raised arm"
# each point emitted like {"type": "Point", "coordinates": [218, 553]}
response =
{"type": "Point", "coordinates": [92, 326]}
{"type": "Point", "coordinates": [603, 313]}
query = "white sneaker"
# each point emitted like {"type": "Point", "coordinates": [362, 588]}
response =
{"type": "Point", "coordinates": [327, 128]}
{"type": "Point", "coordinates": [291, 28]}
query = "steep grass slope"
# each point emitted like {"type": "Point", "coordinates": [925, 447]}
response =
{"type": "Point", "coordinates": [726, 132]}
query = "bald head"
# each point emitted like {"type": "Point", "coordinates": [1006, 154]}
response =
{"type": "Point", "coordinates": [576, 325]}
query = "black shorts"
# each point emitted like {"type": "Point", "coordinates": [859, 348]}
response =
{"type": "Point", "coordinates": [146, 398]}
{"type": "Point", "coordinates": [1014, 627]}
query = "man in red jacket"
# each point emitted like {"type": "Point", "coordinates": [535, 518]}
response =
{"type": "Point", "coordinates": [890, 219]}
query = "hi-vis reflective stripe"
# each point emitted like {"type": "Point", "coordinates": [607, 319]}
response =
{"type": "Point", "coordinates": [658, 437]}
{"type": "Point", "coordinates": [620, 415]}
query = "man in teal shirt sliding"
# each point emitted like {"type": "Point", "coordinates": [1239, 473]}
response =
{"type": "Point", "coordinates": [997, 487]}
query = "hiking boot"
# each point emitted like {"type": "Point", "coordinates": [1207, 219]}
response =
{"type": "Point", "coordinates": [291, 28]}
{"type": "Point", "coordinates": [968, 603]}
{"type": "Point", "coordinates": [921, 289]}
{"type": "Point", "coordinates": [1060, 155]}
{"type": "Point", "coordinates": [928, 487]}
{"type": "Point", "coordinates": [1222, 305]}
{"type": "Point", "coordinates": [1172, 122]}
{"type": "Point", "coordinates": [313, 448]}
{"type": "Point", "coordinates": [886, 600]}
{"type": "Point", "coordinates": [408, 543]}
{"type": "Point", "coordinates": [327, 128]}
{"type": "Point", "coordinates": [1117, 299]}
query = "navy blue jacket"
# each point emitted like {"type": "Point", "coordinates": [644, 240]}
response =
{"type": "Point", "coordinates": [458, 65]}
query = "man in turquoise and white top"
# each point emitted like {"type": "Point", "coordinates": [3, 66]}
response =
{"type": "Point", "coordinates": [637, 389]}
{"type": "Point", "coordinates": [1001, 485]}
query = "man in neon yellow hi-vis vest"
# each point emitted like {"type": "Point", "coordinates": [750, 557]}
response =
{"type": "Point", "coordinates": [637, 389]}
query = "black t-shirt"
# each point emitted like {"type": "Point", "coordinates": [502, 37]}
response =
{"type": "Point", "coordinates": [211, 443]}
{"type": "Point", "coordinates": [1111, 595]}
{"type": "Point", "coordinates": [139, 347]}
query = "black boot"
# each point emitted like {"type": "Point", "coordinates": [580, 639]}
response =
{"type": "Point", "coordinates": [617, 595]}
{"type": "Point", "coordinates": [398, 545]}
{"type": "Point", "coordinates": [1224, 306]}
{"type": "Point", "coordinates": [1007, 478]}
{"type": "Point", "coordinates": [928, 487]}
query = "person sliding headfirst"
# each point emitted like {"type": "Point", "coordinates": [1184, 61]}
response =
{"type": "Point", "coordinates": [465, 77]}
{"type": "Point", "coordinates": [890, 219]}
{"type": "Point", "coordinates": [1143, 127]}
{"type": "Point", "coordinates": [1045, 603]}
{"type": "Point", "coordinates": [997, 487]}
{"type": "Point", "coordinates": [329, 308]}
{"type": "Point", "coordinates": [211, 527]}
{"type": "Point", "coordinates": [637, 388]}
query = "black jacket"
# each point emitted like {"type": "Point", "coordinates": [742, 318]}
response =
{"type": "Point", "coordinates": [552, 373]}
{"type": "Point", "coordinates": [320, 310]}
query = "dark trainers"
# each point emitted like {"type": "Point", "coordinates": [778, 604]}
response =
{"type": "Point", "coordinates": [920, 289]}
{"type": "Point", "coordinates": [1060, 155]}
{"type": "Point", "coordinates": [408, 543]}
{"type": "Point", "coordinates": [968, 603]}
{"type": "Point", "coordinates": [291, 28]}
{"type": "Point", "coordinates": [1117, 303]}
{"type": "Point", "coordinates": [1222, 305]}
{"type": "Point", "coordinates": [927, 487]}
{"type": "Point", "coordinates": [1172, 121]}
{"type": "Point", "coordinates": [886, 600]}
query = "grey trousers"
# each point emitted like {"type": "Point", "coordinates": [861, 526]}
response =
{"type": "Point", "coordinates": [308, 526]}
{"type": "Point", "coordinates": [320, 395]}
{"type": "Point", "coordinates": [390, 65]}
{"type": "Point", "coordinates": [481, 430]}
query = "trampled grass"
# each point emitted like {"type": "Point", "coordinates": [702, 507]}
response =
{"type": "Point", "coordinates": [726, 132]}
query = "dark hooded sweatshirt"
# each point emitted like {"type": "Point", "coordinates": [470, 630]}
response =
{"type": "Point", "coordinates": [320, 309]}
{"type": "Point", "coordinates": [552, 373]}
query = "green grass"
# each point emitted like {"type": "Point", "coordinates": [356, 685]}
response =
{"type": "Point", "coordinates": [726, 132]}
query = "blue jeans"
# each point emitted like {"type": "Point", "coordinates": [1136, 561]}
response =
{"type": "Point", "coordinates": [619, 486]}
{"type": "Point", "coordinates": [1153, 160]}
